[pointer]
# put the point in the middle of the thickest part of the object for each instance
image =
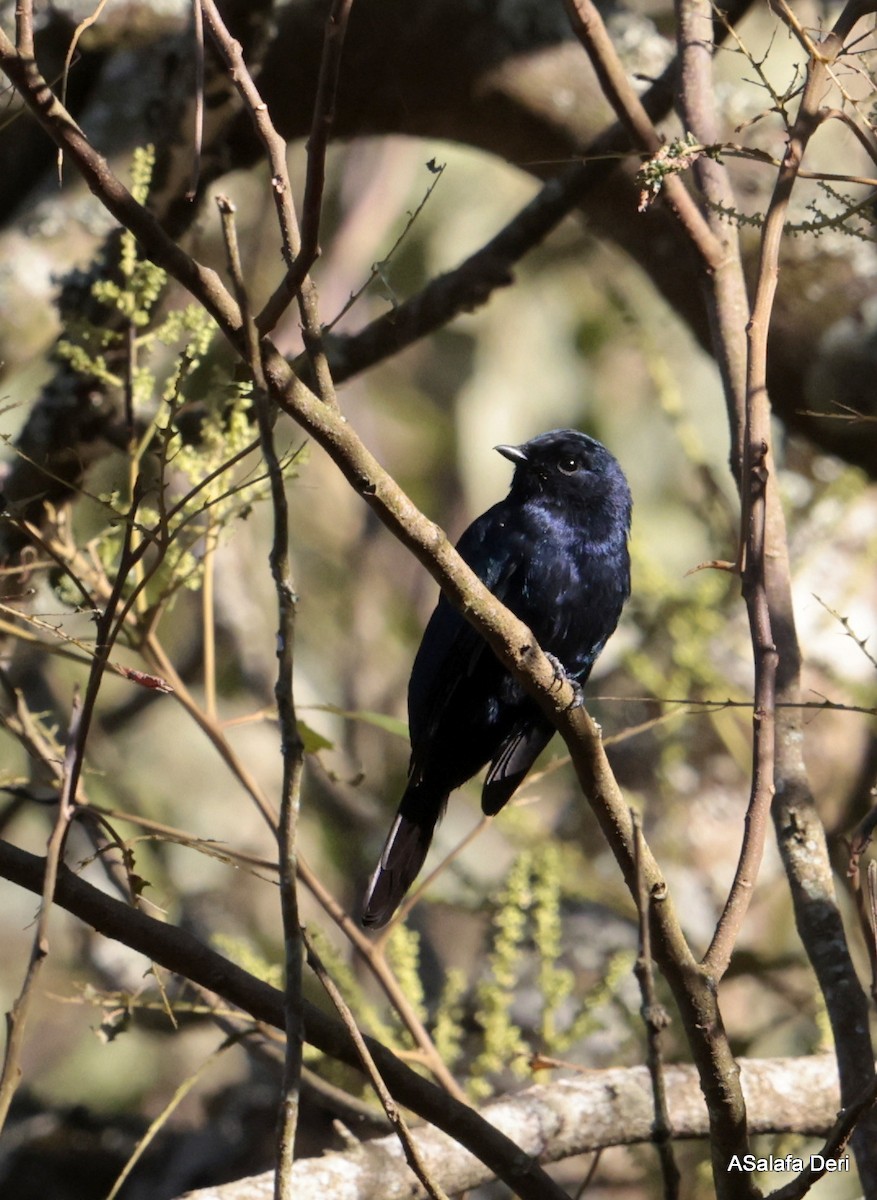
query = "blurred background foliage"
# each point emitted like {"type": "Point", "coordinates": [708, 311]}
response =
{"type": "Point", "coordinates": [523, 944]}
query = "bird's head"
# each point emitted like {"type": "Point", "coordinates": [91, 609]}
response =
{"type": "Point", "coordinates": [569, 468]}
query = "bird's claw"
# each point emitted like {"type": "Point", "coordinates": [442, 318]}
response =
{"type": "Point", "coordinates": [561, 677]}
{"type": "Point", "coordinates": [558, 668]}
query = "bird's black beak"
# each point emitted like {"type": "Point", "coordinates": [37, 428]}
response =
{"type": "Point", "coordinates": [513, 453]}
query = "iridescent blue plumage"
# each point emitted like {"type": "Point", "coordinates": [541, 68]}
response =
{"type": "Point", "coordinates": [555, 552]}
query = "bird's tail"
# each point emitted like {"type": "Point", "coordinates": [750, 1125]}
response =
{"type": "Point", "coordinates": [402, 857]}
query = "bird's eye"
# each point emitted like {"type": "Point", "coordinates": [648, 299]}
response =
{"type": "Point", "coordinates": [569, 464]}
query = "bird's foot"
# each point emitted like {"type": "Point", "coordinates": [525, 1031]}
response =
{"type": "Point", "coordinates": [558, 668]}
{"type": "Point", "coordinates": [561, 677]}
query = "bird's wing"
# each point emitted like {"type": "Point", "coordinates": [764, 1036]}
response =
{"type": "Point", "coordinates": [452, 651]}
{"type": "Point", "coordinates": [513, 760]}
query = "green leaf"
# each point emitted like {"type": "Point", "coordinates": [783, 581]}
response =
{"type": "Point", "coordinates": [381, 720]}
{"type": "Point", "coordinates": [311, 740]}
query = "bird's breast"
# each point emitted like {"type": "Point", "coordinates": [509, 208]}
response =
{"type": "Point", "coordinates": [572, 591]}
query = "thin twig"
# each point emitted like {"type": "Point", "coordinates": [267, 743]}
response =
{"type": "Point", "coordinates": [834, 1146]}
{"type": "Point", "coordinates": [276, 151]}
{"type": "Point", "coordinates": [589, 1175]}
{"type": "Point", "coordinates": [32, 534]}
{"type": "Point", "coordinates": [315, 180]}
{"type": "Point", "coordinates": [858, 843]}
{"type": "Point", "coordinates": [80, 29]}
{"type": "Point", "coordinates": [318, 142]}
{"type": "Point", "coordinates": [725, 285]}
{"type": "Point", "coordinates": [275, 146]}
{"type": "Point", "coordinates": [24, 28]}
{"type": "Point", "coordinates": [865, 138]}
{"type": "Point", "coordinates": [372, 955]}
{"type": "Point", "coordinates": [198, 107]}
{"type": "Point", "coordinates": [714, 704]}
{"type": "Point", "coordinates": [589, 27]}
{"type": "Point", "coordinates": [292, 747]}
{"type": "Point", "coordinates": [208, 619]}
{"type": "Point", "coordinates": [718, 956]}
{"type": "Point", "coordinates": [16, 1018]}
{"type": "Point", "coordinates": [656, 1020]}
{"type": "Point", "coordinates": [159, 1122]}
{"type": "Point", "coordinates": [379, 268]}
{"type": "Point", "coordinates": [861, 642]}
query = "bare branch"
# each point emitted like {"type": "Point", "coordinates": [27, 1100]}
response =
{"type": "Point", "coordinates": [866, 901]}
{"type": "Point", "coordinates": [799, 830]}
{"type": "Point", "coordinates": [315, 179]}
{"type": "Point", "coordinates": [24, 28]}
{"type": "Point", "coordinates": [274, 144]}
{"type": "Point", "coordinates": [292, 747]}
{"type": "Point", "coordinates": [296, 281]}
{"type": "Point", "coordinates": [589, 27]}
{"type": "Point", "coordinates": [656, 1021]}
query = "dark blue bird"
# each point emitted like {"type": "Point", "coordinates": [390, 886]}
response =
{"type": "Point", "coordinates": [555, 553]}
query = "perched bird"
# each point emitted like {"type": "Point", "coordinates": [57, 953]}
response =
{"type": "Point", "coordinates": [555, 553]}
